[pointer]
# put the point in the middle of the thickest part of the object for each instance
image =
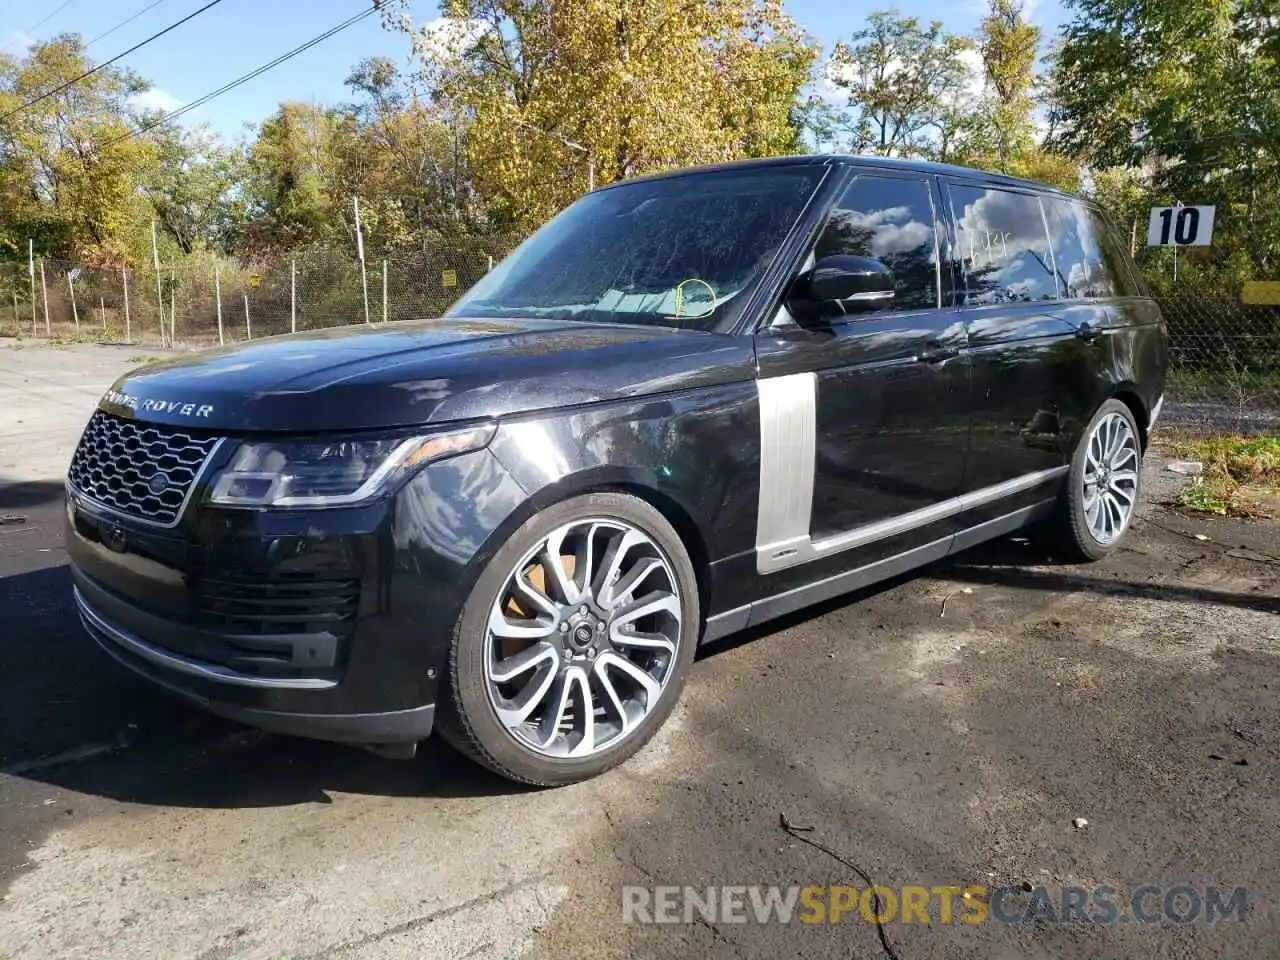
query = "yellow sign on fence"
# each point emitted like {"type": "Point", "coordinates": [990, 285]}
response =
{"type": "Point", "coordinates": [450, 278]}
{"type": "Point", "coordinates": [1261, 292]}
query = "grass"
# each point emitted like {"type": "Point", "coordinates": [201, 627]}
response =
{"type": "Point", "coordinates": [1241, 476]}
{"type": "Point", "coordinates": [142, 359]}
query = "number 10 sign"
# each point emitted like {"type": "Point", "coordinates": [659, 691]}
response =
{"type": "Point", "coordinates": [1180, 227]}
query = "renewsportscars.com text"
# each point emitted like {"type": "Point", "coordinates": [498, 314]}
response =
{"type": "Point", "coordinates": [972, 904]}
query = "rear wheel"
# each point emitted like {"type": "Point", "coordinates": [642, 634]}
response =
{"type": "Point", "coordinates": [1103, 486]}
{"type": "Point", "coordinates": [575, 642]}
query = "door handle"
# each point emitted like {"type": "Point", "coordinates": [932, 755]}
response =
{"type": "Point", "coordinates": [1088, 332]}
{"type": "Point", "coordinates": [937, 354]}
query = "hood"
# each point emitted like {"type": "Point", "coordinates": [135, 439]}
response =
{"type": "Point", "coordinates": [421, 372]}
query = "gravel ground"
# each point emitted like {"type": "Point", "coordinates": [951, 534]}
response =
{"type": "Point", "coordinates": [945, 728]}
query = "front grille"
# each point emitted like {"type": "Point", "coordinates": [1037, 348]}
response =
{"type": "Point", "coordinates": [119, 464]}
{"type": "Point", "coordinates": [277, 607]}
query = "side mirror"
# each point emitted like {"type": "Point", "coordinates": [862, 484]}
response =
{"type": "Point", "coordinates": [847, 279]}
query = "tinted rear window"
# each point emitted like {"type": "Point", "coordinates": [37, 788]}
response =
{"type": "Point", "coordinates": [1115, 254]}
{"type": "Point", "coordinates": [1004, 247]}
{"type": "Point", "coordinates": [1082, 268]}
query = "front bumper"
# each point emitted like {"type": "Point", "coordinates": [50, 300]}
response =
{"type": "Point", "coordinates": [183, 675]}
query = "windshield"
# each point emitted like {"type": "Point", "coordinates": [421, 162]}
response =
{"type": "Point", "coordinates": [680, 251]}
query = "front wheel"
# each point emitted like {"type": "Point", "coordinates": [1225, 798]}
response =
{"type": "Point", "coordinates": [574, 644]}
{"type": "Point", "coordinates": [1103, 486]}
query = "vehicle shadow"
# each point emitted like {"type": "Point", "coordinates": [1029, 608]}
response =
{"type": "Point", "coordinates": [65, 700]}
{"type": "Point", "coordinates": [1020, 565]}
{"type": "Point", "coordinates": [24, 496]}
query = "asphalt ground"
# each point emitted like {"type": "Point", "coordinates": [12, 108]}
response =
{"type": "Point", "coordinates": [947, 729]}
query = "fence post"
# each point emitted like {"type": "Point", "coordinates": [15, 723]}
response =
{"type": "Point", "coordinates": [217, 297]}
{"type": "Point", "coordinates": [102, 303]}
{"type": "Point", "coordinates": [490, 262]}
{"type": "Point", "coordinates": [384, 290]}
{"type": "Point", "coordinates": [364, 276]}
{"type": "Point", "coordinates": [293, 295]}
{"type": "Point", "coordinates": [173, 308]}
{"type": "Point", "coordinates": [248, 329]}
{"type": "Point", "coordinates": [17, 320]}
{"type": "Point", "coordinates": [74, 312]}
{"type": "Point", "coordinates": [31, 270]}
{"type": "Point", "coordinates": [128, 324]}
{"type": "Point", "coordinates": [155, 262]}
{"type": "Point", "coordinates": [44, 292]}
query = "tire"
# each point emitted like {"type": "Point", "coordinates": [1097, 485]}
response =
{"type": "Point", "coordinates": [588, 635]}
{"type": "Point", "coordinates": [1077, 528]}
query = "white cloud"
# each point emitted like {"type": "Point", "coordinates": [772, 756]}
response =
{"type": "Point", "coordinates": [155, 100]}
{"type": "Point", "coordinates": [975, 81]}
{"type": "Point", "coordinates": [447, 38]}
{"type": "Point", "coordinates": [17, 41]}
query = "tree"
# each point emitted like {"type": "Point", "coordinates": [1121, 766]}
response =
{"type": "Point", "coordinates": [1008, 46]}
{"type": "Point", "coordinates": [190, 180]}
{"type": "Point", "coordinates": [558, 91]}
{"type": "Point", "coordinates": [1190, 94]}
{"type": "Point", "coordinates": [409, 158]}
{"type": "Point", "coordinates": [67, 179]}
{"type": "Point", "coordinates": [904, 82]}
{"type": "Point", "coordinates": [290, 190]}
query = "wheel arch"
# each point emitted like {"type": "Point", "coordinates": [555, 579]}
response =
{"type": "Point", "coordinates": [610, 480]}
{"type": "Point", "coordinates": [1128, 394]}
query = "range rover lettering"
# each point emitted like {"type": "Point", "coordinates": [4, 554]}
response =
{"type": "Point", "coordinates": [686, 405]}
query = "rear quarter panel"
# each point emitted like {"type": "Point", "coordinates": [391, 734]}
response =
{"type": "Point", "coordinates": [1138, 353]}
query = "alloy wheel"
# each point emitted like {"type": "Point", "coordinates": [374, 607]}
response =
{"type": "Point", "coordinates": [1110, 478]}
{"type": "Point", "coordinates": [583, 638]}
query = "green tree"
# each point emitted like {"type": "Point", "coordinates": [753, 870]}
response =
{"type": "Point", "coordinates": [1189, 94]}
{"type": "Point", "coordinates": [291, 189]}
{"type": "Point", "coordinates": [191, 180]}
{"type": "Point", "coordinates": [905, 83]}
{"type": "Point", "coordinates": [1008, 46]}
{"type": "Point", "coordinates": [67, 180]}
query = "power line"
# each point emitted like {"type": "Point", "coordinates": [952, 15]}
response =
{"type": "Point", "coordinates": [102, 66]}
{"type": "Point", "coordinates": [57, 10]}
{"type": "Point", "coordinates": [146, 128]}
{"type": "Point", "coordinates": [124, 23]}
{"type": "Point", "coordinates": [36, 26]}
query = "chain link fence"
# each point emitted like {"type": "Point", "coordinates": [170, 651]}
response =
{"type": "Point", "coordinates": [1224, 366]}
{"type": "Point", "coordinates": [203, 300]}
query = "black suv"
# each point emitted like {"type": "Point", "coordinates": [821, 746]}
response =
{"type": "Point", "coordinates": [687, 404]}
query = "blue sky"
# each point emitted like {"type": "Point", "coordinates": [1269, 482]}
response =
{"type": "Point", "coordinates": [239, 35]}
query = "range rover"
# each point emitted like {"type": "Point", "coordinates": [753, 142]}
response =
{"type": "Point", "coordinates": [687, 404]}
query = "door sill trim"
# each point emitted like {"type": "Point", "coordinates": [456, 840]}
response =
{"type": "Point", "coordinates": [751, 614]}
{"type": "Point", "coordinates": [773, 557]}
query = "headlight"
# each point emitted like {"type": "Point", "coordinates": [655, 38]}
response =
{"type": "Point", "coordinates": [331, 473]}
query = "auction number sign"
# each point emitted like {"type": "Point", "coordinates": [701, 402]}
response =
{"type": "Point", "coordinates": [1180, 227]}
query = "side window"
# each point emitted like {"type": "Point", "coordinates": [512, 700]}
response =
{"type": "Point", "coordinates": [1003, 246]}
{"type": "Point", "coordinates": [1115, 258]}
{"type": "Point", "coordinates": [1081, 270]}
{"type": "Point", "coordinates": [892, 221]}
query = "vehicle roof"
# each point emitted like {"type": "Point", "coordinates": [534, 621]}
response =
{"type": "Point", "coordinates": [927, 167]}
